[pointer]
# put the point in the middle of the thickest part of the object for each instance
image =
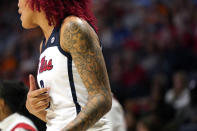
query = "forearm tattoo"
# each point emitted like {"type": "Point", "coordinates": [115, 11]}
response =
{"type": "Point", "coordinates": [84, 47]}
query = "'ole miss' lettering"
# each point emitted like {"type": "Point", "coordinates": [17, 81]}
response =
{"type": "Point", "coordinates": [45, 66]}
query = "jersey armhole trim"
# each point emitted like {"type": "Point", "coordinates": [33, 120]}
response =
{"type": "Point", "coordinates": [68, 55]}
{"type": "Point", "coordinates": [24, 126]}
{"type": "Point", "coordinates": [71, 79]}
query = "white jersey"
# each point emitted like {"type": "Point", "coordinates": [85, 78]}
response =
{"type": "Point", "coordinates": [67, 91]}
{"type": "Point", "coordinates": [116, 116]}
{"type": "Point", "coordinates": [17, 122]}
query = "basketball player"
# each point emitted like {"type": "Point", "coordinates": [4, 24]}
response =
{"type": "Point", "coordinates": [71, 65]}
{"type": "Point", "coordinates": [12, 100]}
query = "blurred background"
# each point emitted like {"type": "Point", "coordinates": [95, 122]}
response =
{"type": "Point", "coordinates": [150, 48]}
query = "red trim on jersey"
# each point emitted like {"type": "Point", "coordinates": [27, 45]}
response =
{"type": "Point", "coordinates": [24, 126]}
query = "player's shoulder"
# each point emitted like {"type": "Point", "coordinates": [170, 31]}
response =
{"type": "Point", "coordinates": [74, 22]}
{"type": "Point", "coordinates": [72, 19]}
{"type": "Point", "coordinates": [73, 26]}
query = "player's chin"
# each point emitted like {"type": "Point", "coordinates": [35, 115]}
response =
{"type": "Point", "coordinates": [28, 26]}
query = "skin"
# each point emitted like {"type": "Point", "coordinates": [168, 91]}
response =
{"type": "Point", "coordinates": [80, 40]}
{"type": "Point", "coordinates": [37, 100]}
{"type": "Point", "coordinates": [4, 110]}
{"type": "Point", "coordinates": [33, 19]}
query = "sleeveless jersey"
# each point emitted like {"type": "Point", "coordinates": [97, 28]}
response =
{"type": "Point", "coordinates": [67, 91]}
{"type": "Point", "coordinates": [17, 122]}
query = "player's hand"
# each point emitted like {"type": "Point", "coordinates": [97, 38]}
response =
{"type": "Point", "coordinates": [37, 99]}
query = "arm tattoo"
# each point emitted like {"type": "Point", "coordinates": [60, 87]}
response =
{"type": "Point", "coordinates": [83, 45]}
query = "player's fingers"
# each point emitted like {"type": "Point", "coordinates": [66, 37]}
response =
{"type": "Point", "coordinates": [42, 108]}
{"type": "Point", "coordinates": [42, 103]}
{"type": "Point", "coordinates": [35, 100]}
{"type": "Point", "coordinates": [38, 92]}
{"type": "Point", "coordinates": [32, 83]}
{"type": "Point", "coordinates": [42, 97]}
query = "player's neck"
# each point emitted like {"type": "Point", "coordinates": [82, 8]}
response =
{"type": "Point", "coordinates": [45, 27]}
{"type": "Point", "coordinates": [47, 32]}
{"type": "Point", "coordinates": [5, 113]}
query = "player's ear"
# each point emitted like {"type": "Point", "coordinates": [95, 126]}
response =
{"type": "Point", "coordinates": [2, 103]}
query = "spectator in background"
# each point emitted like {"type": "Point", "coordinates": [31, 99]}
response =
{"type": "Point", "coordinates": [12, 100]}
{"type": "Point", "coordinates": [148, 124]}
{"type": "Point", "coordinates": [187, 118]}
{"type": "Point", "coordinates": [162, 111]}
{"type": "Point", "coordinates": [133, 73]}
{"type": "Point", "coordinates": [179, 95]}
{"type": "Point", "coordinates": [152, 108]}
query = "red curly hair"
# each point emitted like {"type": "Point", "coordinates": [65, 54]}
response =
{"type": "Point", "coordinates": [57, 10]}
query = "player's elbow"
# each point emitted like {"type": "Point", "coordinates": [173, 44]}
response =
{"type": "Point", "coordinates": [108, 103]}
{"type": "Point", "coordinates": [108, 108]}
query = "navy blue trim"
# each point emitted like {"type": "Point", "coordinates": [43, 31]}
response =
{"type": "Point", "coordinates": [48, 43]}
{"type": "Point", "coordinates": [56, 33]}
{"type": "Point", "coordinates": [72, 85]}
{"type": "Point", "coordinates": [43, 45]}
{"type": "Point", "coordinates": [71, 80]}
{"type": "Point", "coordinates": [64, 53]}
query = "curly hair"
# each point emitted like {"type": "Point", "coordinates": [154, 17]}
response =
{"type": "Point", "coordinates": [57, 10]}
{"type": "Point", "coordinates": [14, 94]}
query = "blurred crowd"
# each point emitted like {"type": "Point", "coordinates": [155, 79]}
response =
{"type": "Point", "coordinates": [150, 48]}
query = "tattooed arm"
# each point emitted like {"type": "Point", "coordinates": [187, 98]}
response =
{"type": "Point", "coordinates": [79, 39]}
